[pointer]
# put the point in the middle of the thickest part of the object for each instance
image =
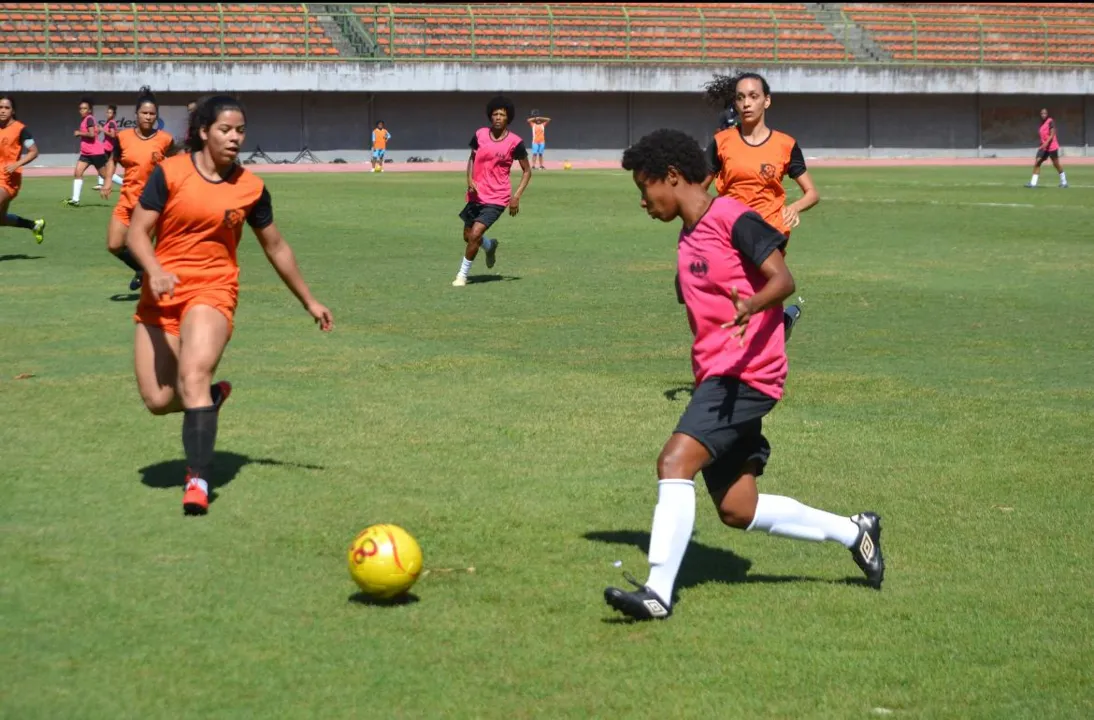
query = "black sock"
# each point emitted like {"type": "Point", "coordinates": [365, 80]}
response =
{"type": "Point", "coordinates": [199, 436]}
{"type": "Point", "coordinates": [19, 222]}
{"type": "Point", "coordinates": [214, 390]}
{"type": "Point", "coordinates": [127, 257]}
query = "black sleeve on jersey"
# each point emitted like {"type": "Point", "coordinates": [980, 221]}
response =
{"type": "Point", "coordinates": [154, 195]}
{"type": "Point", "coordinates": [713, 158]}
{"type": "Point", "coordinates": [474, 144]}
{"type": "Point", "coordinates": [520, 152]}
{"type": "Point", "coordinates": [261, 215]}
{"type": "Point", "coordinates": [24, 135]}
{"type": "Point", "coordinates": [755, 239]}
{"type": "Point", "coordinates": [797, 163]}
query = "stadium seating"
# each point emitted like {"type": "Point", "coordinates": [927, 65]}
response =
{"type": "Point", "coordinates": [1055, 33]}
{"type": "Point", "coordinates": [114, 31]}
{"type": "Point", "coordinates": [651, 32]}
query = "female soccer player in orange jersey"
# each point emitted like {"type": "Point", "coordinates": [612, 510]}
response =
{"type": "Point", "coordinates": [197, 203]}
{"type": "Point", "coordinates": [749, 161]}
{"type": "Point", "coordinates": [17, 149]}
{"type": "Point", "coordinates": [138, 150]}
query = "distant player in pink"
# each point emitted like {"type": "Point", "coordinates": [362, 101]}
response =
{"type": "Point", "coordinates": [734, 279]}
{"type": "Point", "coordinates": [110, 135]}
{"type": "Point", "coordinates": [91, 151]}
{"type": "Point", "coordinates": [1049, 148]}
{"type": "Point", "coordinates": [489, 190]}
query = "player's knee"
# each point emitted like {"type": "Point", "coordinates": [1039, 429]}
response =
{"type": "Point", "coordinates": [115, 244]}
{"type": "Point", "coordinates": [194, 383]}
{"type": "Point", "coordinates": [735, 516]}
{"type": "Point", "coordinates": [158, 401]}
{"type": "Point", "coordinates": [672, 463]}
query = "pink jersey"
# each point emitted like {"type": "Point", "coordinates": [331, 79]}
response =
{"type": "Point", "coordinates": [1046, 131]}
{"type": "Point", "coordinates": [493, 160]}
{"type": "Point", "coordinates": [94, 146]}
{"type": "Point", "coordinates": [108, 142]}
{"type": "Point", "coordinates": [724, 250]}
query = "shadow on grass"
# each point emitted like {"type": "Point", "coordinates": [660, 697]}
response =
{"type": "Point", "coordinates": [226, 465]}
{"type": "Point", "coordinates": [476, 279]}
{"type": "Point", "coordinates": [5, 258]}
{"type": "Point", "coordinates": [703, 564]}
{"type": "Point", "coordinates": [361, 599]}
{"type": "Point", "coordinates": [125, 297]}
{"type": "Point", "coordinates": [673, 394]}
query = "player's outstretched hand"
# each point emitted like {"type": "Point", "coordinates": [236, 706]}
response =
{"type": "Point", "coordinates": [11, 168]}
{"type": "Point", "coordinates": [514, 206]}
{"type": "Point", "coordinates": [744, 314]}
{"type": "Point", "coordinates": [322, 316]}
{"type": "Point", "coordinates": [104, 191]}
{"type": "Point", "coordinates": [791, 217]}
{"type": "Point", "coordinates": [472, 188]}
{"type": "Point", "coordinates": [162, 283]}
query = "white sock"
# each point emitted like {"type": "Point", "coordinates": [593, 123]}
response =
{"type": "Point", "coordinates": [98, 181]}
{"type": "Point", "coordinates": [673, 520]}
{"type": "Point", "coordinates": [77, 186]}
{"type": "Point", "coordinates": [1033, 180]}
{"type": "Point", "coordinates": [465, 267]}
{"type": "Point", "coordinates": [787, 517]}
{"type": "Point", "coordinates": [201, 484]}
{"type": "Point", "coordinates": [1063, 178]}
{"type": "Point", "coordinates": [118, 179]}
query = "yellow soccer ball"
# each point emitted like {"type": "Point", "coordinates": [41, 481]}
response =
{"type": "Point", "coordinates": [567, 166]}
{"type": "Point", "coordinates": [385, 561]}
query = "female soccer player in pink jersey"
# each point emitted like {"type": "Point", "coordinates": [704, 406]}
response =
{"type": "Point", "coordinates": [489, 192]}
{"type": "Point", "coordinates": [91, 150]}
{"type": "Point", "coordinates": [1048, 149]}
{"type": "Point", "coordinates": [734, 280]}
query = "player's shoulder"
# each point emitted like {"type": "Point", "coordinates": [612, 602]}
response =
{"type": "Point", "coordinates": [781, 139]}
{"type": "Point", "coordinates": [248, 181]}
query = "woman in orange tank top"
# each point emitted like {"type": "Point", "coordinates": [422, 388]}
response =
{"type": "Point", "coordinates": [197, 205]}
{"type": "Point", "coordinates": [17, 149]}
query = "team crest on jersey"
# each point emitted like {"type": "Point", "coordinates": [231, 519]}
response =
{"type": "Point", "coordinates": [699, 267]}
{"type": "Point", "coordinates": [767, 171]}
{"type": "Point", "coordinates": [234, 218]}
{"type": "Point", "coordinates": [157, 157]}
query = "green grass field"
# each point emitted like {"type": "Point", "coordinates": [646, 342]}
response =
{"type": "Point", "coordinates": [942, 374]}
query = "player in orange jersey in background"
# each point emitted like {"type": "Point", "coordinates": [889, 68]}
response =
{"type": "Point", "coordinates": [17, 149]}
{"type": "Point", "coordinates": [138, 150]}
{"type": "Point", "coordinates": [197, 204]}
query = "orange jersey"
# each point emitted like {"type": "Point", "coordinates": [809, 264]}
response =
{"type": "Point", "coordinates": [539, 132]}
{"type": "Point", "coordinates": [380, 138]}
{"type": "Point", "coordinates": [754, 174]}
{"type": "Point", "coordinates": [13, 139]}
{"type": "Point", "coordinates": [201, 222]}
{"type": "Point", "coordinates": [139, 157]}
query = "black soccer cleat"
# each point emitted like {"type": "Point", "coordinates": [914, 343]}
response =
{"type": "Point", "coordinates": [867, 548]}
{"type": "Point", "coordinates": [640, 604]}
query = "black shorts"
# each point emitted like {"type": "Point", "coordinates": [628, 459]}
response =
{"type": "Point", "coordinates": [1043, 155]}
{"type": "Point", "coordinates": [97, 161]}
{"type": "Point", "coordinates": [474, 212]}
{"type": "Point", "coordinates": [726, 416]}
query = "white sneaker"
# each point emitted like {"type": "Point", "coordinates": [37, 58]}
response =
{"type": "Point", "coordinates": [460, 281]}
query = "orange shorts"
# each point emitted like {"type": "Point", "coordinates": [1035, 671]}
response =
{"type": "Point", "coordinates": [168, 312]}
{"type": "Point", "coordinates": [10, 184]}
{"type": "Point", "coordinates": [123, 213]}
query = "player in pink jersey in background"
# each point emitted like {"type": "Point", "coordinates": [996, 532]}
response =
{"type": "Point", "coordinates": [734, 279]}
{"type": "Point", "coordinates": [1049, 148]}
{"type": "Point", "coordinates": [489, 191]}
{"type": "Point", "coordinates": [91, 151]}
{"type": "Point", "coordinates": [110, 138]}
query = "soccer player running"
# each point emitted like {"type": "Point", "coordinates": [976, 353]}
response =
{"type": "Point", "coordinates": [197, 203]}
{"type": "Point", "coordinates": [138, 150]}
{"type": "Point", "coordinates": [380, 136]}
{"type": "Point", "coordinates": [734, 280]}
{"type": "Point", "coordinates": [17, 149]}
{"type": "Point", "coordinates": [539, 137]}
{"type": "Point", "coordinates": [91, 151]}
{"type": "Point", "coordinates": [1049, 149]}
{"type": "Point", "coordinates": [489, 192]}
{"type": "Point", "coordinates": [110, 139]}
{"type": "Point", "coordinates": [749, 160]}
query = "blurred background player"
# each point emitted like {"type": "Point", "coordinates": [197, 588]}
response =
{"type": "Point", "coordinates": [539, 137]}
{"type": "Point", "coordinates": [197, 205]}
{"type": "Point", "coordinates": [489, 191]}
{"type": "Point", "coordinates": [138, 150]}
{"type": "Point", "coordinates": [749, 160]}
{"type": "Point", "coordinates": [380, 136]}
{"type": "Point", "coordinates": [110, 134]}
{"type": "Point", "coordinates": [17, 149]}
{"type": "Point", "coordinates": [1049, 149]}
{"type": "Point", "coordinates": [734, 281]}
{"type": "Point", "coordinates": [91, 151]}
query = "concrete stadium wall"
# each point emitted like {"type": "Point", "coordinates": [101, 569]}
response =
{"type": "Point", "coordinates": [600, 125]}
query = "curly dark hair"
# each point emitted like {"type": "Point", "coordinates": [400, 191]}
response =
{"type": "Point", "coordinates": [654, 154]}
{"type": "Point", "coordinates": [721, 90]}
{"type": "Point", "coordinates": [208, 110]}
{"type": "Point", "coordinates": [147, 96]}
{"type": "Point", "coordinates": [500, 102]}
